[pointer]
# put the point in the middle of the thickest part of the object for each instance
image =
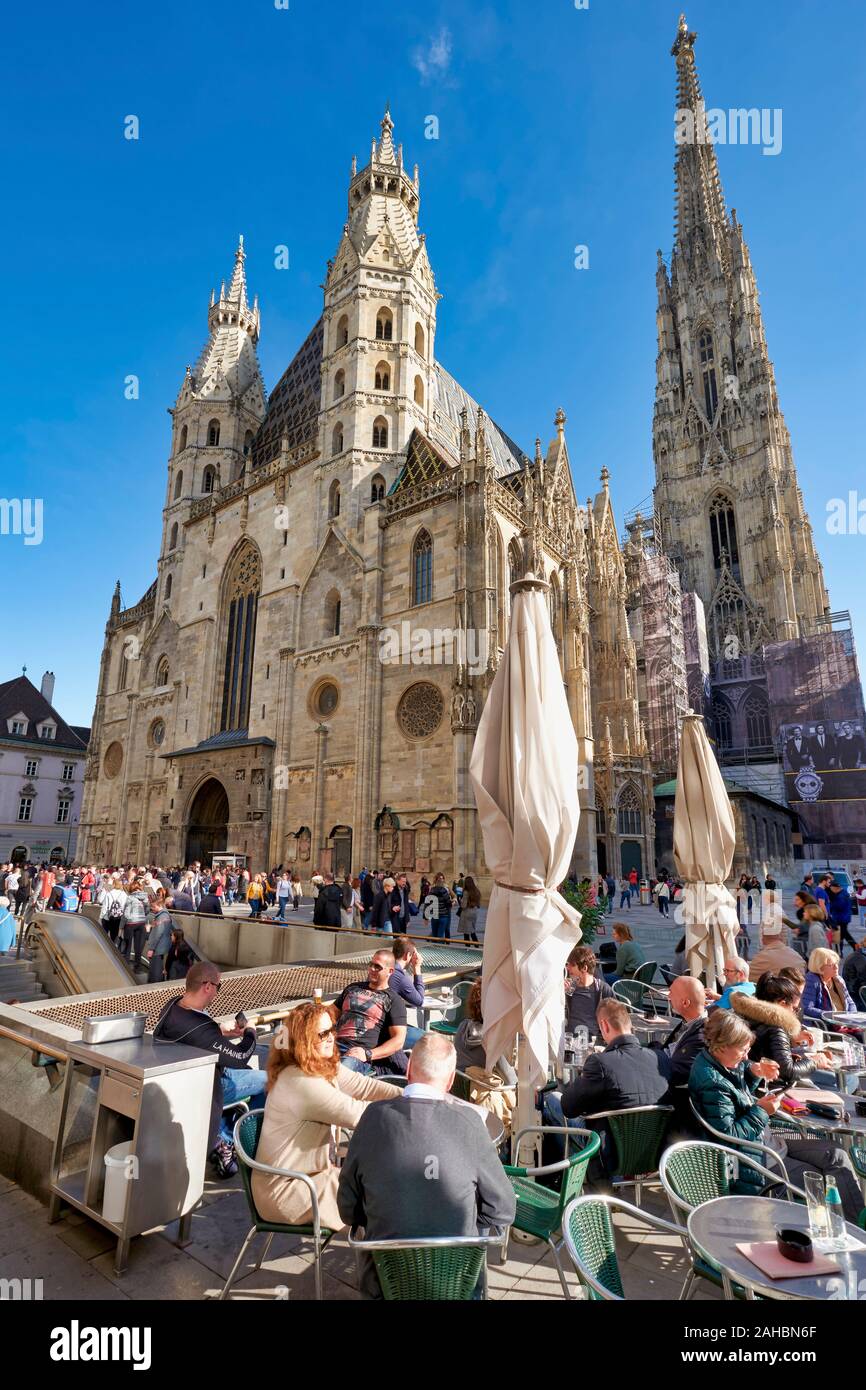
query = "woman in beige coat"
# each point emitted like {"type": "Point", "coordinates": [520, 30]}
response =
{"type": "Point", "coordinates": [309, 1091]}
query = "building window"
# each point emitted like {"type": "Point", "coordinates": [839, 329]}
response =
{"type": "Point", "coordinates": [334, 500]}
{"type": "Point", "coordinates": [241, 600]}
{"type": "Point", "coordinates": [248, 443]}
{"type": "Point", "coordinates": [419, 340]}
{"type": "Point", "coordinates": [722, 723]}
{"type": "Point", "coordinates": [723, 531]}
{"type": "Point", "coordinates": [385, 325]}
{"type": "Point", "coordinates": [377, 488]}
{"type": "Point", "coordinates": [168, 584]}
{"type": "Point", "coordinates": [629, 817]}
{"type": "Point", "coordinates": [162, 671]}
{"type": "Point", "coordinates": [339, 384]}
{"type": "Point", "coordinates": [382, 378]}
{"type": "Point", "coordinates": [757, 713]}
{"type": "Point", "coordinates": [419, 391]}
{"type": "Point", "coordinates": [25, 808]}
{"type": "Point", "coordinates": [337, 439]}
{"type": "Point", "coordinates": [182, 443]}
{"type": "Point", "coordinates": [213, 434]}
{"type": "Point", "coordinates": [333, 614]}
{"type": "Point", "coordinates": [63, 806]}
{"type": "Point", "coordinates": [19, 726]}
{"type": "Point", "coordinates": [515, 568]}
{"type": "Point", "coordinates": [380, 433]}
{"type": "Point", "coordinates": [123, 672]}
{"type": "Point", "coordinates": [343, 332]}
{"type": "Point", "coordinates": [68, 772]}
{"type": "Point", "coordinates": [325, 699]}
{"type": "Point", "coordinates": [708, 373]}
{"type": "Point", "coordinates": [47, 731]}
{"type": "Point", "coordinates": [172, 544]}
{"type": "Point", "coordinates": [178, 485]}
{"type": "Point", "coordinates": [422, 568]}
{"type": "Point", "coordinates": [31, 767]}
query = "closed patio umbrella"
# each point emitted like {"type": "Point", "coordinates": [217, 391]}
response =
{"type": "Point", "coordinates": [704, 840]}
{"type": "Point", "coordinates": [524, 774]}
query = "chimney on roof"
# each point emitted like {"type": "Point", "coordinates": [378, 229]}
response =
{"type": "Point", "coordinates": [46, 689]}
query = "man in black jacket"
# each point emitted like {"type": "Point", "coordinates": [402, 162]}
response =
{"type": "Point", "coordinates": [187, 1020]}
{"type": "Point", "coordinates": [625, 1075]}
{"type": "Point", "coordinates": [688, 998]}
{"type": "Point", "coordinates": [326, 910]}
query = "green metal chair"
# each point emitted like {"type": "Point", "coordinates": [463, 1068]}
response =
{"type": "Point", "coordinates": [694, 1172]}
{"type": "Point", "coordinates": [246, 1136]}
{"type": "Point", "coordinates": [646, 973]}
{"type": "Point", "coordinates": [433, 1269]}
{"type": "Point", "coordinates": [540, 1209]}
{"type": "Point", "coordinates": [631, 992]}
{"type": "Point", "coordinates": [638, 1134]}
{"type": "Point", "coordinates": [590, 1241]}
{"type": "Point", "coordinates": [753, 1147]}
{"type": "Point", "coordinates": [449, 1026]}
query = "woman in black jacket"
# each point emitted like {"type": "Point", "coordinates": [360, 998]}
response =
{"type": "Point", "coordinates": [771, 1013]}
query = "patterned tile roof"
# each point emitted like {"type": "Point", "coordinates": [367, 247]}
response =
{"type": "Point", "coordinates": [293, 408]}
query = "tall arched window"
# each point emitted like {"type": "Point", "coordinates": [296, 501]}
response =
{"type": "Point", "coordinates": [723, 530]}
{"type": "Point", "coordinates": [333, 614]}
{"type": "Point", "coordinates": [241, 588]}
{"type": "Point", "coordinates": [213, 433]}
{"type": "Point", "coordinates": [377, 488]}
{"type": "Point", "coordinates": [385, 325]}
{"type": "Point", "coordinates": [382, 378]}
{"type": "Point", "coordinates": [337, 439]}
{"type": "Point", "coordinates": [168, 584]}
{"type": "Point", "coordinates": [339, 384]}
{"type": "Point", "coordinates": [722, 723]}
{"type": "Point", "coordinates": [343, 331]}
{"type": "Point", "coordinates": [708, 373]}
{"type": "Point", "coordinates": [182, 441]}
{"type": "Point", "coordinates": [419, 340]}
{"type": "Point", "coordinates": [172, 543]}
{"type": "Point", "coordinates": [123, 671]}
{"type": "Point", "coordinates": [178, 485]}
{"type": "Point", "coordinates": [422, 568]}
{"type": "Point", "coordinates": [757, 712]}
{"type": "Point", "coordinates": [380, 433]}
{"type": "Point", "coordinates": [515, 566]}
{"type": "Point", "coordinates": [162, 671]}
{"type": "Point", "coordinates": [555, 609]}
{"type": "Point", "coordinates": [248, 443]}
{"type": "Point", "coordinates": [419, 391]}
{"type": "Point", "coordinates": [628, 813]}
{"type": "Point", "coordinates": [334, 499]}
{"type": "Point", "coordinates": [208, 479]}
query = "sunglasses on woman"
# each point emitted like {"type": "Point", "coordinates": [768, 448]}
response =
{"type": "Point", "coordinates": [327, 1033]}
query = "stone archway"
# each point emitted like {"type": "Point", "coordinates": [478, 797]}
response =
{"type": "Point", "coordinates": [207, 826]}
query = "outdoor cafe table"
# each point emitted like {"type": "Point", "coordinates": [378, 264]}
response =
{"type": "Point", "coordinates": [717, 1227]}
{"type": "Point", "coordinates": [840, 1020]}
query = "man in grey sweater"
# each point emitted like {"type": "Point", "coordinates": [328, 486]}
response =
{"type": "Point", "coordinates": [422, 1165]}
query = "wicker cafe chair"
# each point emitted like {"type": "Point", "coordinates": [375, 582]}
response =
{"type": "Point", "coordinates": [631, 992]}
{"type": "Point", "coordinates": [539, 1209]}
{"type": "Point", "coordinates": [246, 1136]}
{"type": "Point", "coordinates": [432, 1269]}
{"type": "Point", "coordinates": [646, 973]}
{"type": "Point", "coordinates": [457, 1010]}
{"type": "Point", "coordinates": [590, 1241]}
{"type": "Point", "coordinates": [638, 1134]}
{"type": "Point", "coordinates": [694, 1172]}
{"type": "Point", "coordinates": [768, 1157]}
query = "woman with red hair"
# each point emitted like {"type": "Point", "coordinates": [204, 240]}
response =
{"type": "Point", "coordinates": [309, 1091]}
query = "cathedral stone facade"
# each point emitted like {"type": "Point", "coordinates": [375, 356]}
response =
{"type": "Point", "coordinates": [303, 680]}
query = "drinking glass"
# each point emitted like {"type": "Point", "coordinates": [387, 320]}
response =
{"type": "Point", "coordinates": [813, 1185]}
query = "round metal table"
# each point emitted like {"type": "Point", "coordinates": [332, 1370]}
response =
{"type": "Point", "coordinates": [717, 1227]}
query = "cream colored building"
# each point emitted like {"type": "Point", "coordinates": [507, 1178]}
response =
{"type": "Point", "coordinates": [302, 682]}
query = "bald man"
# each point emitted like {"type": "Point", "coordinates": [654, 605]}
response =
{"type": "Point", "coordinates": [688, 999]}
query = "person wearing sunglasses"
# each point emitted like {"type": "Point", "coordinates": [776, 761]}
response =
{"type": "Point", "coordinates": [371, 1022]}
{"type": "Point", "coordinates": [308, 1093]}
{"type": "Point", "coordinates": [188, 1020]}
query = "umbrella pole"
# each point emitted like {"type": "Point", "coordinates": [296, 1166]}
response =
{"type": "Point", "coordinates": [526, 1115]}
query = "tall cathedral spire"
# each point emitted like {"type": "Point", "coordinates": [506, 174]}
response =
{"type": "Point", "coordinates": [700, 204]}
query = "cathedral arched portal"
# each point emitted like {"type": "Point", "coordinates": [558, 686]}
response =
{"type": "Point", "coordinates": [207, 826]}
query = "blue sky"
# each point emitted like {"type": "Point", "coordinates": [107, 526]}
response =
{"type": "Point", "coordinates": [555, 129]}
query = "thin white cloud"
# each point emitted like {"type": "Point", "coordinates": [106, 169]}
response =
{"type": "Point", "coordinates": [433, 60]}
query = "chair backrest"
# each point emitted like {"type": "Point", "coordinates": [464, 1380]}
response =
{"type": "Point", "coordinates": [574, 1175]}
{"type": "Point", "coordinates": [247, 1134]}
{"type": "Point", "coordinates": [589, 1239]}
{"type": "Point", "coordinates": [646, 972]}
{"type": "Point", "coordinates": [631, 992]}
{"type": "Point", "coordinates": [667, 974]}
{"type": "Point", "coordinates": [694, 1172]}
{"type": "Point", "coordinates": [638, 1135]}
{"type": "Point", "coordinates": [437, 1269]}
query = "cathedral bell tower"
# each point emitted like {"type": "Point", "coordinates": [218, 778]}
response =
{"type": "Point", "coordinates": [379, 332]}
{"type": "Point", "coordinates": [731, 512]}
{"type": "Point", "coordinates": [219, 408]}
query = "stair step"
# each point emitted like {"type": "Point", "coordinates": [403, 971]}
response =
{"type": "Point", "coordinates": [24, 996]}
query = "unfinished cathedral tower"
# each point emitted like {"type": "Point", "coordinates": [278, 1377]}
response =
{"type": "Point", "coordinates": [731, 512]}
